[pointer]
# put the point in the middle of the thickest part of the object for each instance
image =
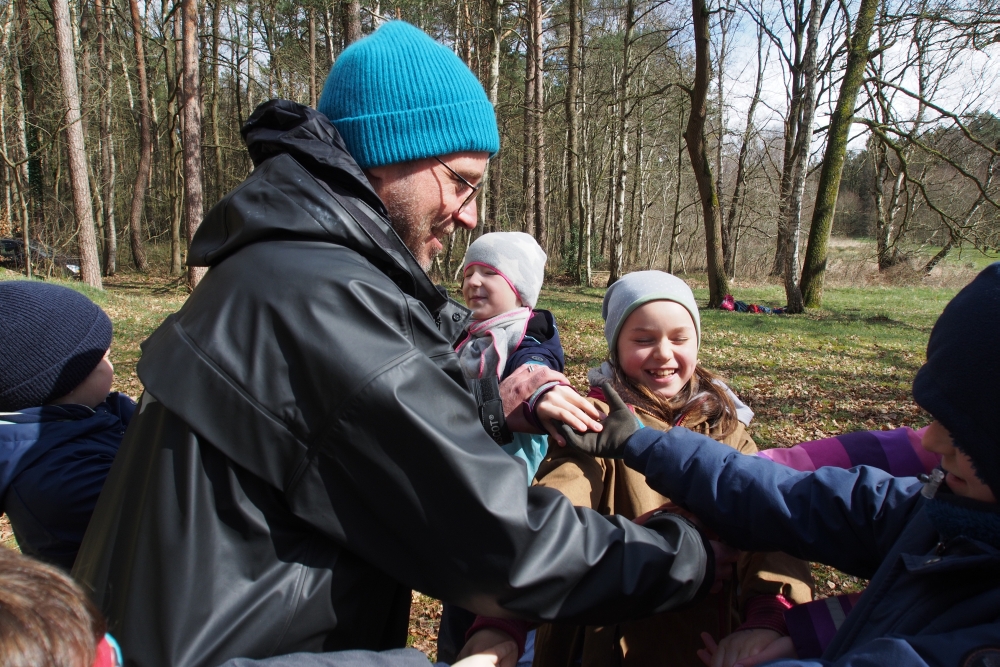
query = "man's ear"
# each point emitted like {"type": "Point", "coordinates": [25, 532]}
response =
{"type": "Point", "coordinates": [376, 176]}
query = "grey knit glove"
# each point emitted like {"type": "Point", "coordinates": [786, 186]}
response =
{"type": "Point", "coordinates": [620, 424]}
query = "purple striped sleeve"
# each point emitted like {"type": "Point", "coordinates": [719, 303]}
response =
{"type": "Point", "coordinates": [813, 625]}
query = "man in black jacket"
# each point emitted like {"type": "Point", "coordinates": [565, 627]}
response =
{"type": "Point", "coordinates": [306, 451]}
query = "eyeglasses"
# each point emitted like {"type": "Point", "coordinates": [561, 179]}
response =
{"type": "Point", "coordinates": [475, 188]}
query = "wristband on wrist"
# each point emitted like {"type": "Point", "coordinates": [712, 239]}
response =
{"type": "Point", "coordinates": [766, 612]}
{"type": "Point", "coordinates": [530, 406]}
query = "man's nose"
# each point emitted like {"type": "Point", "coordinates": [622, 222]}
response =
{"type": "Point", "coordinates": [468, 216]}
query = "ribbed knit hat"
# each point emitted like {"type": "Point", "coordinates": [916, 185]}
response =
{"type": "Point", "coordinates": [633, 290]}
{"type": "Point", "coordinates": [960, 383]}
{"type": "Point", "coordinates": [398, 95]}
{"type": "Point", "coordinates": [514, 255]}
{"type": "Point", "coordinates": [51, 338]}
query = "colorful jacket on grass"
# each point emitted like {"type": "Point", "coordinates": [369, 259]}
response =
{"type": "Point", "coordinates": [933, 600]}
{"type": "Point", "coordinates": [813, 625]}
{"type": "Point", "coordinates": [53, 462]}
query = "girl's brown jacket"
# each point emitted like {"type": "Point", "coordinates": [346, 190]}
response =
{"type": "Point", "coordinates": [670, 638]}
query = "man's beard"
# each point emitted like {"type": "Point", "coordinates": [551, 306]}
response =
{"type": "Point", "coordinates": [410, 225]}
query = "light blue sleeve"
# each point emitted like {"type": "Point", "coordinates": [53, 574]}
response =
{"type": "Point", "coordinates": [530, 448]}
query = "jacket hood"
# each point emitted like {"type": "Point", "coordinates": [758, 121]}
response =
{"type": "Point", "coordinates": [300, 161]}
{"type": "Point", "coordinates": [282, 127]}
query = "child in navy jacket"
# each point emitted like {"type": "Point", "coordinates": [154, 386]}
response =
{"type": "Point", "coordinates": [931, 550]}
{"type": "Point", "coordinates": [60, 428]}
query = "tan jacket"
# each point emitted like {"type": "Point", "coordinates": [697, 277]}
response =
{"type": "Point", "coordinates": [671, 638]}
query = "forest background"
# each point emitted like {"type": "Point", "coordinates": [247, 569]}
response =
{"type": "Point", "coordinates": [730, 138]}
{"type": "Point", "coordinates": [766, 147]}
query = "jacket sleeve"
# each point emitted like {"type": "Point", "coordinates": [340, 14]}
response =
{"type": "Point", "coordinates": [845, 518]}
{"type": "Point", "coordinates": [406, 469]}
{"type": "Point", "coordinates": [768, 574]}
{"type": "Point", "coordinates": [897, 452]}
{"type": "Point", "coordinates": [950, 649]}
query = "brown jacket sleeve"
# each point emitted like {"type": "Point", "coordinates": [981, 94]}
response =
{"type": "Point", "coordinates": [773, 572]}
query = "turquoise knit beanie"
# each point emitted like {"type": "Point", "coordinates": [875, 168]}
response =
{"type": "Point", "coordinates": [398, 95]}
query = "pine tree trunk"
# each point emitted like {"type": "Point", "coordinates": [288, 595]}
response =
{"type": "Point", "coordinates": [814, 267]}
{"type": "Point", "coordinates": [350, 15]}
{"type": "Point", "coordinates": [574, 217]}
{"type": "Point", "coordinates": [528, 172]}
{"type": "Point", "coordinates": [313, 91]}
{"type": "Point", "coordinates": [191, 136]}
{"type": "Point", "coordinates": [145, 145]}
{"type": "Point", "coordinates": [538, 60]}
{"type": "Point", "coordinates": [34, 183]}
{"type": "Point", "coordinates": [107, 144]}
{"type": "Point", "coordinates": [90, 267]}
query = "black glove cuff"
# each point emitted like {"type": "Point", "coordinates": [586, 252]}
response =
{"type": "Point", "coordinates": [491, 415]}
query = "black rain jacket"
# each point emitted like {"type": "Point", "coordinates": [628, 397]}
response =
{"type": "Point", "coordinates": [307, 452]}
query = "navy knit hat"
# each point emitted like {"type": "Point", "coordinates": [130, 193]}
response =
{"type": "Point", "coordinates": [397, 95]}
{"type": "Point", "coordinates": [51, 338]}
{"type": "Point", "coordinates": [960, 383]}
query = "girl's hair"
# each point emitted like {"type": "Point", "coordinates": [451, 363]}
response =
{"type": "Point", "coordinates": [703, 401]}
{"type": "Point", "coordinates": [45, 617]}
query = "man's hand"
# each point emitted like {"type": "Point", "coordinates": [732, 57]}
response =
{"type": "Point", "coordinates": [736, 647]}
{"type": "Point", "coordinates": [518, 387]}
{"type": "Point", "coordinates": [609, 443]}
{"type": "Point", "coordinates": [766, 646]}
{"type": "Point", "coordinates": [563, 404]}
{"type": "Point", "coordinates": [488, 646]}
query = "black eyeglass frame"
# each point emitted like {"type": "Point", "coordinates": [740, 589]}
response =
{"type": "Point", "coordinates": [475, 188]}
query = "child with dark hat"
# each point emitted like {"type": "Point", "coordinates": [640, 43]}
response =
{"type": "Point", "coordinates": [60, 424]}
{"type": "Point", "coordinates": [931, 549]}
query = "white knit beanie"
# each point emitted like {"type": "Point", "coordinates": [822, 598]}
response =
{"type": "Point", "coordinates": [514, 255]}
{"type": "Point", "coordinates": [635, 289]}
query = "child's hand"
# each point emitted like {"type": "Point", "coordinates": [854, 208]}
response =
{"type": "Point", "coordinates": [746, 648]}
{"type": "Point", "coordinates": [564, 405]}
{"type": "Point", "coordinates": [487, 647]}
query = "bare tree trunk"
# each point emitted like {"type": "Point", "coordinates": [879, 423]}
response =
{"type": "Point", "coordinates": [173, 65]}
{"type": "Point", "coordinates": [617, 259]}
{"type": "Point", "coordinates": [718, 283]}
{"type": "Point", "coordinates": [494, 175]}
{"type": "Point", "coordinates": [814, 267]}
{"type": "Point", "coordinates": [350, 15]}
{"type": "Point", "coordinates": [191, 137]}
{"type": "Point", "coordinates": [21, 172]}
{"type": "Point", "coordinates": [528, 174]}
{"type": "Point", "coordinates": [313, 91]}
{"type": "Point", "coordinates": [328, 21]}
{"type": "Point", "coordinates": [220, 176]}
{"type": "Point", "coordinates": [107, 145]}
{"type": "Point", "coordinates": [538, 60]}
{"type": "Point", "coordinates": [730, 232]}
{"type": "Point", "coordinates": [675, 228]}
{"type": "Point", "coordinates": [90, 267]}
{"type": "Point", "coordinates": [145, 145]}
{"type": "Point", "coordinates": [34, 183]}
{"type": "Point", "coordinates": [574, 217]}
{"type": "Point", "coordinates": [792, 219]}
